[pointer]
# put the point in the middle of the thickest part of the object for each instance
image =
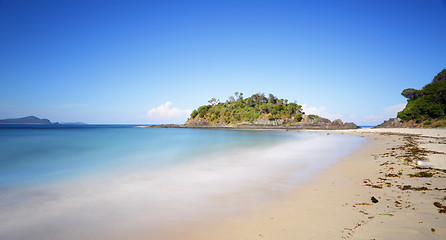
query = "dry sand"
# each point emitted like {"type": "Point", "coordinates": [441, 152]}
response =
{"type": "Point", "coordinates": [337, 204]}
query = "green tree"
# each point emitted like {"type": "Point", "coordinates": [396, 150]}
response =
{"type": "Point", "coordinates": [411, 93]}
{"type": "Point", "coordinates": [237, 109]}
{"type": "Point", "coordinates": [427, 103]}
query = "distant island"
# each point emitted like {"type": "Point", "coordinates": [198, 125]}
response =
{"type": "Point", "coordinates": [257, 111]}
{"type": "Point", "coordinates": [425, 107]}
{"type": "Point", "coordinates": [35, 120]}
{"type": "Point", "coordinates": [26, 120]}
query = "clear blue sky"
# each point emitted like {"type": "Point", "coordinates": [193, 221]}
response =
{"type": "Point", "coordinates": [113, 61]}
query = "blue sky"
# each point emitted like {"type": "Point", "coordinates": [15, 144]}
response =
{"type": "Point", "coordinates": [154, 61]}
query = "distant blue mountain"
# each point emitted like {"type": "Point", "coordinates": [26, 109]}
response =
{"type": "Point", "coordinates": [25, 120]}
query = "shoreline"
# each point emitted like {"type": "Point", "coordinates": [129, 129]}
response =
{"type": "Point", "coordinates": [293, 127]}
{"type": "Point", "coordinates": [376, 190]}
{"type": "Point", "coordinates": [337, 204]}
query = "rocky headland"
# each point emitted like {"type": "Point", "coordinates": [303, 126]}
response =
{"type": "Point", "coordinates": [264, 123]}
{"type": "Point", "coordinates": [425, 108]}
{"type": "Point", "coordinates": [325, 124]}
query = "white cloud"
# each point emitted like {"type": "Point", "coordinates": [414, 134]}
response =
{"type": "Point", "coordinates": [312, 110]}
{"type": "Point", "coordinates": [353, 116]}
{"type": "Point", "coordinates": [374, 117]}
{"type": "Point", "coordinates": [320, 111]}
{"type": "Point", "coordinates": [384, 114]}
{"type": "Point", "coordinates": [166, 114]}
{"type": "Point", "coordinates": [395, 108]}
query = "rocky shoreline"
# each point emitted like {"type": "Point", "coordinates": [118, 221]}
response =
{"type": "Point", "coordinates": [398, 123]}
{"type": "Point", "coordinates": [321, 124]}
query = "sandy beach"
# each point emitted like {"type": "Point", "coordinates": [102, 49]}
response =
{"type": "Point", "coordinates": [337, 204]}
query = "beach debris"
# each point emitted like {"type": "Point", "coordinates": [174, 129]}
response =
{"type": "Point", "coordinates": [394, 175]}
{"type": "Point", "coordinates": [364, 203]}
{"type": "Point", "coordinates": [369, 183]}
{"type": "Point", "coordinates": [433, 230]}
{"type": "Point", "coordinates": [374, 200]}
{"type": "Point", "coordinates": [422, 174]}
{"type": "Point", "coordinates": [400, 166]}
{"type": "Point", "coordinates": [386, 214]}
{"type": "Point", "coordinates": [363, 212]}
{"type": "Point", "coordinates": [409, 187]}
{"type": "Point", "coordinates": [442, 208]}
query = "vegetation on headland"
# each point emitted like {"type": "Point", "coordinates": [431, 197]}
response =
{"type": "Point", "coordinates": [428, 105]}
{"type": "Point", "coordinates": [238, 109]}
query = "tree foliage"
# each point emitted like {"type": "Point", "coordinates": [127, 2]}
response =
{"type": "Point", "coordinates": [411, 93]}
{"type": "Point", "coordinates": [427, 103]}
{"type": "Point", "coordinates": [213, 101]}
{"type": "Point", "coordinates": [239, 109]}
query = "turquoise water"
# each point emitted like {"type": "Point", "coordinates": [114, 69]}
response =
{"type": "Point", "coordinates": [93, 177]}
{"type": "Point", "coordinates": [37, 155]}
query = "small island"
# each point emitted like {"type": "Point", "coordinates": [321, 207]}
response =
{"type": "Point", "coordinates": [257, 112]}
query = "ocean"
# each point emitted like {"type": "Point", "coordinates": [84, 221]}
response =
{"type": "Point", "coordinates": [106, 181]}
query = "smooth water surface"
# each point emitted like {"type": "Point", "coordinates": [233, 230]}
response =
{"type": "Point", "coordinates": [36, 155]}
{"type": "Point", "coordinates": [93, 177]}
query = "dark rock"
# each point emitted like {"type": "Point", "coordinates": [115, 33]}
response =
{"type": "Point", "coordinates": [338, 124]}
{"type": "Point", "coordinates": [166, 126]}
{"type": "Point", "coordinates": [197, 123]}
{"type": "Point", "coordinates": [374, 200]}
{"type": "Point", "coordinates": [391, 123]}
{"type": "Point", "coordinates": [317, 120]}
{"type": "Point", "coordinates": [350, 125]}
{"type": "Point", "coordinates": [271, 122]}
{"type": "Point", "coordinates": [309, 122]}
